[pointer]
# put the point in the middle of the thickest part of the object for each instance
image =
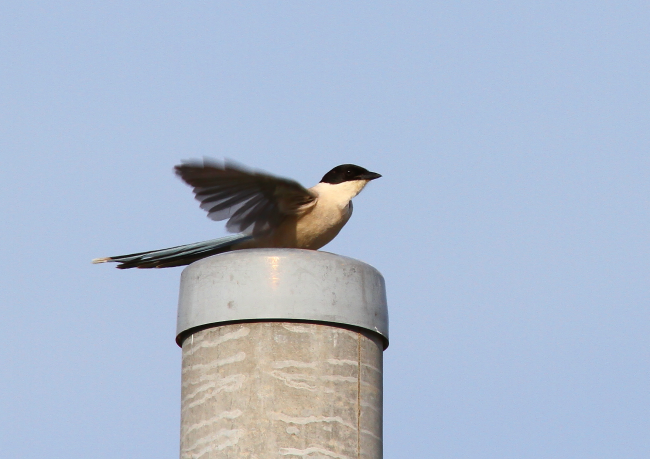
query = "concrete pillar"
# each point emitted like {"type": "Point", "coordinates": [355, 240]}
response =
{"type": "Point", "coordinates": [282, 356]}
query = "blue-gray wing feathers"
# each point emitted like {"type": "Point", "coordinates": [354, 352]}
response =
{"type": "Point", "coordinates": [253, 202]}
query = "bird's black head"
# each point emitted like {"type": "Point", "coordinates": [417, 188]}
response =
{"type": "Point", "coordinates": [347, 173]}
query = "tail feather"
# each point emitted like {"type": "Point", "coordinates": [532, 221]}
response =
{"type": "Point", "coordinates": [175, 256]}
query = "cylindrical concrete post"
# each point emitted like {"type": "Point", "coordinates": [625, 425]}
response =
{"type": "Point", "coordinates": [282, 356]}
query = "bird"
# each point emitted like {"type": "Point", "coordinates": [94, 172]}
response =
{"type": "Point", "coordinates": [264, 210]}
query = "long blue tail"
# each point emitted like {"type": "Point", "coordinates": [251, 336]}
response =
{"type": "Point", "coordinates": [175, 256]}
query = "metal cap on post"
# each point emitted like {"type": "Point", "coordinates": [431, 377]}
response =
{"type": "Point", "coordinates": [282, 355]}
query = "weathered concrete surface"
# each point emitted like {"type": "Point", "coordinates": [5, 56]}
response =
{"type": "Point", "coordinates": [281, 390]}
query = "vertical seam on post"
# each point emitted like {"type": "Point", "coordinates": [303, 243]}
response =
{"type": "Point", "coordinates": [358, 395]}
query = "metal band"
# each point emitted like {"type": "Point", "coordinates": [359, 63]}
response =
{"type": "Point", "coordinates": [282, 284]}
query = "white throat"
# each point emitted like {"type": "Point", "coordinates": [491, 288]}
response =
{"type": "Point", "coordinates": [341, 193]}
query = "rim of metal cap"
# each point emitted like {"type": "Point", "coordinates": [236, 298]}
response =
{"type": "Point", "coordinates": [281, 284]}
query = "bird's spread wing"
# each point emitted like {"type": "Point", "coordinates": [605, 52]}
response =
{"type": "Point", "coordinates": [253, 202]}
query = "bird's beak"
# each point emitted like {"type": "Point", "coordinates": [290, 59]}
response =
{"type": "Point", "coordinates": [370, 176]}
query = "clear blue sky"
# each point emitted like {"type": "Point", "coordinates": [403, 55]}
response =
{"type": "Point", "coordinates": [512, 223]}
